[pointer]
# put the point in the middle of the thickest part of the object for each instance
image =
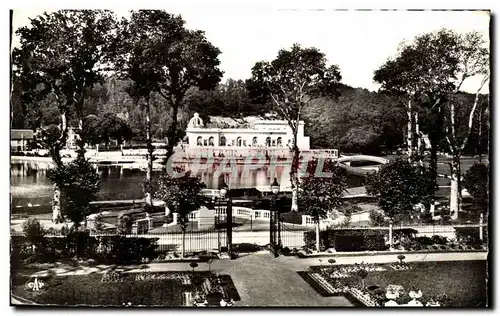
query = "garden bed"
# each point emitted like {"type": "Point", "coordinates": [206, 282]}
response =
{"type": "Point", "coordinates": [454, 284]}
{"type": "Point", "coordinates": [129, 289]}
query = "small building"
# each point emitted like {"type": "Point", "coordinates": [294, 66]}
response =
{"type": "Point", "coordinates": [260, 134]}
{"type": "Point", "coordinates": [20, 138]}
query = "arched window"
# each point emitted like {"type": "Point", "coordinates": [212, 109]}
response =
{"type": "Point", "coordinates": [268, 142]}
{"type": "Point", "coordinates": [211, 141]}
{"type": "Point", "coordinates": [279, 142]}
{"type": "Point", "coordinates": [238, 141]}
{"type": "Point", "coordinates": [222, 141]}
{"type": "Point", "coordinates": [199, 141]}
{"type": "Point", "coordinates": [254, 141]}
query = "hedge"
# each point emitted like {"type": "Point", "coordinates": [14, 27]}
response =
{"type": "Point", "coordinates": [108, 249]}
{"type": "Point", "coordinates": [348, 239]}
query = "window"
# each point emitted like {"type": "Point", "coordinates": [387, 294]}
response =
{"type": "Point", "coordinates": [222, 141]}
{"type": "Point", "coordinates": [268, 142]}
{"type": "Point", "coordinates": [254, 141]}
{"type": "Point", "coordinates": [279, 142]}
{"type": "Point", "coordinates": [239, 141]}
{"type": "Point", "coordinates": [199, 142]}
{"type": "Point", "coordinates": [211, 141]}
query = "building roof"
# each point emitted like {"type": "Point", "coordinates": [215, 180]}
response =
{"type": "Point", "coordinates": [21, 134]}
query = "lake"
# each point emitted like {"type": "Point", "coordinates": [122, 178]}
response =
{"type": "Point", "coordinates": [30, 184]}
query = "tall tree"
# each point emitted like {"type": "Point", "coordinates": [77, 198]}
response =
{"type": "Point", "coordinates": [398, 186]}
{"type": "Point", "coordinates": [320, 194]}
{"type": "Point", "coordinates": [431, 70]}
{"type": "Point", "coordinates": [291, 81]}
{"type": "Point", "coordinates": [58, 60]}
{"type": "Point", "coordinates": [473, 61]}
{"type": "Point", "coordinates": [182, 194]}
{"type": "Point", "coordinates": [162, 57]}
{"type": "Point", "coordinates": [80, 184]}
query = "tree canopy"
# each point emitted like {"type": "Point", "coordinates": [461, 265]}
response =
{"type": "Point", "coordinates": [399, 186]}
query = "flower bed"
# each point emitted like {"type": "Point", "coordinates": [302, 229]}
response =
{"type": "Point", "coordinates": [400, 266]}
{"type": "Point", "coordinates": [364, 297]}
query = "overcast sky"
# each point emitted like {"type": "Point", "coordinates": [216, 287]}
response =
{"type": "Point", "coordinates": [357, 41]}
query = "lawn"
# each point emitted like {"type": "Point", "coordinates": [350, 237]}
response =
{"type": "Point", "coordinates": [463, 281]}
{"type": "Point", "coordinates": [90, 290]}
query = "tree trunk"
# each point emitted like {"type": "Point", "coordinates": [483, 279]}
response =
{"type": "Point", "coordinates": [172, 134]}
{"type": "Point", "coordinates": [455, 187]}
{"type": "Point", "coordinates": [56, 158]}
{"type": "Point", "coordinates": [149, 144]}
{"type": "Point", "coordinates": [317, 237]}
{"type": "Point", "coordinates": [418, 140]}
{"type": "Point", "coordinates": [56, 205]}
{"type": "Point", "coordinates": [80, 142]}
{"type": "Point", "coordinates": [409, 135]}
{"type": "Point", "coordinates": [293, 174]}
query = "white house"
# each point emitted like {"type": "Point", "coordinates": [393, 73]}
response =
{"type": "Point", "coordinates": [261, 134]}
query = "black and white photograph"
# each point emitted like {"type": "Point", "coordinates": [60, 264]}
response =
{"type": "Point", "coordinates": [263, 156]}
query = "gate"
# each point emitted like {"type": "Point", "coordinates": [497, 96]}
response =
{"type": "Point", "coordinates": [292, 235]}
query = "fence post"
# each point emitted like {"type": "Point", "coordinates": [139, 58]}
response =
{"type": "Point", "coordinates": [481, 227]}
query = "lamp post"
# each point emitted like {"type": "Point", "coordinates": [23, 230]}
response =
{"type": "Point", "coordinates": [274, 227]}
{"type": "Point", "coordinates": [224, 189]}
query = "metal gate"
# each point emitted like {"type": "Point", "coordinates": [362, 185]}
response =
{"type": "Point", "coordinates": [292, 235]}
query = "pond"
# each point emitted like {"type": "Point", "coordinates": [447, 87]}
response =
{"type": "Point", "coordinates": [31, 186]}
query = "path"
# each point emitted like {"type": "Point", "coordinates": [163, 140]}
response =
{"type": "Point", "coordinates": [262, 280]}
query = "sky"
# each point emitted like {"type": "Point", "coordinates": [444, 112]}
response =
{"type": "Point", "coordinates": [359, 42]}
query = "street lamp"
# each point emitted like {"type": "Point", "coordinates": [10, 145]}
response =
{"type": "Point", "coordinates": [275, 187]}
{"type": "Point", "coordinates": [224, 188]}
{"type": "Point", "coordinates": [274, 227]}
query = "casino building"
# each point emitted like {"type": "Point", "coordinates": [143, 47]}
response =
{"type": "Point", "coordinates": [269, 134]}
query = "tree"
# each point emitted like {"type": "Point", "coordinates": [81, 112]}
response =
{"type": "Point", "coordinates": [420, 71]}
{"type": "Point", "coordinates": [473, 61]}
{"type": "Point", "coordinates": [59, 60]}
{"type": "Point", "coordinates": [33, 232]}
{"type": "Point", "coordinates": [431, 71]}
{"type": "Point", "coordinates": [476, 181]}
{"type": "Point", "coordinates": [291, 81]}
{"type": "Point", "coordinates": [124, 224]}
{"type": "Point", "coordinates": [162, 57]}
{"type": "Point", "coordinates": [321, 194]}
{"type": "Point", "coordinates": [79, 184]}
{"type": "Point", "coordinates": [182, 194]}
{"type": "Point", "coordinates": [109, 126]}
{"type": "Point", "coordinates": [398, 186]}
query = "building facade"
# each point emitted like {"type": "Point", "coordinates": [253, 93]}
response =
{"type": "Point", "coordinates": [261, 134]}
{"type": "Point", "coordinates": [19, 139]}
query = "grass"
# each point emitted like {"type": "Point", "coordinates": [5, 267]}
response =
{"type": "Point", "coordinates": [463, 281]}
{"type": "Point", "coordinates": [89, 290]}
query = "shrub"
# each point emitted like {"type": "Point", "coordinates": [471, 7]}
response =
{"type": "Point", "coordinates": [469, 235]}
{"type": "Point", "coordinates": [377, 218]}
{"type": "Point", "coordinates": [440, 240]}
{"type": "Point", "coordinates": [426, 217]}
{"type": "Point", "coordinates": [124, 225]}
{"type": "Point", "coordinates": [33, 231]}
{"type": "Point", "coordinates": [424, 241]}
{"type": "Point", "coordinates": [286, 251]}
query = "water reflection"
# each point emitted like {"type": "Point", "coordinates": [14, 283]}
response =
{"type": "Point", "coordinates": [29, 182]}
